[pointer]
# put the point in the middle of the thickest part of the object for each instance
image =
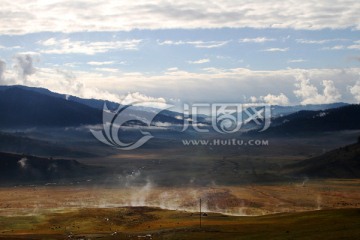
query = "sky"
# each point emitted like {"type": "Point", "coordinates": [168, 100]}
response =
{"type": "Point", "coordinates": [236, 51]}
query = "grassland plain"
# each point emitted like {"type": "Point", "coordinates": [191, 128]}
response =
{"type": "Point", "coordinates": [155, 223]}
{"type": "Point", "coordinates": [322, 209]}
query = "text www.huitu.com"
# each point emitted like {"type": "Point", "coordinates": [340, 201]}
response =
{"type": "Point", "coordinates": [225, 142]}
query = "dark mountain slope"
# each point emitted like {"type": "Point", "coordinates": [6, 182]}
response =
{"type": "Point", "coordinates": [278, 111]}
{"type": "Point", "coordinates": [337, 119]}
{"type": "Point", "coordinates": [37, 107]}
{"type": "Point", "coordinates": [10, 142]}
{"type": "Point", "coordinates": [16, 168]}
{"type": "Point", "coordinates": [23, 108]}
{"type": "Point", "coordinates": [339, 163]}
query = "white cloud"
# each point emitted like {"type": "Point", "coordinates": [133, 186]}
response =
{"type": "Point", "coordinates": [216, 84]}
{"type": "Point", "coordinates": [256, 40]}
{"type": "Point", "coordinates": [66, 46]}
{"type": "Point", "coordinates": [144, 101]}
{"type": "Point", "coordinates": [54, 79]}
{"type": "Point", "coordinates": [100, 63]}
{"type": "Point", "coordinates": [271, 99]}
{"type": "Point", "coordinates": [22, 16]}
{"type": "Point", "coordinates": [280, 99]}
{"type": "Point", "coordinates": [306, 41]}
{"type": "Point", "coordinates": [355, 91]}
{"type": "Point", "coordinates": [300, 60]}
{"type": "Point", "coordinates": [210, 85]}
{"type": "Point", "coordinates": [9, 48]}
{"type": "Point", "coordinates": [309, 94]}
{"type": "Point", "coordinates": [138, 97]}
{"type": "Point", "coordinates": [276, 50]}
{"type": "Point", "coordinates": [49, 42]}
{"type": "Point", "coordinates": [253, 99]}
{"type": "Point", "coordinates": [110, 70]}
{"type": "Point", "coordinates": [197, 44]}
{"type": "Point", "coordinates": [321, 41]}
{"type": "Point", "coordinates": [355, 46]}
{"type": "Point", "coordinates": [24, 72]}
{"type": "Point", "coordinates": [337, 47]}
{"type": "Point", "coordinates": [172, 69]}
{"type": "Point", "coordinates": [200, 61]}
{"type": "Point", "coordinates": [331, 93]}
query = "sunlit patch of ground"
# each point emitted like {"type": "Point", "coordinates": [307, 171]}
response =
{"type": "Point", "coordinates": [239, 200]}
{"type": "Point", "coordinates": [313, 209]}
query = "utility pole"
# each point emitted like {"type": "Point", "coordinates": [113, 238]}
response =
{"type": "Point", "coordinates": [200, 212]}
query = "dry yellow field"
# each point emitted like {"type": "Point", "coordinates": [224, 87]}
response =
{"type": "Point", "coordinates": [310, 209]}
{"type": "Point", "coordinates": [240, 200]}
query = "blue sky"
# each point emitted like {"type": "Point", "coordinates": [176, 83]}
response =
{"type": "Point", "coordinates": [220, 51]}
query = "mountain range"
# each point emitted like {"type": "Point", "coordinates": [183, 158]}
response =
{"type": "Point", "coordinates": [280, 111]}
{"type": "Point", "coordinates": [304, 122]}
{"type": "Point", "coordinates": [23, 106]}
{"type": "Point", "coordinates": [37, 107]}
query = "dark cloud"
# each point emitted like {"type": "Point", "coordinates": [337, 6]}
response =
{"type": "Point", "coordinates": [2, 70]}
{"type": "Point", "coordinates": [24, 65]}
{"type": "Point", "coordinates": [354, 58]}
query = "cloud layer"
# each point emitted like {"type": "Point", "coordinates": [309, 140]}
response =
{"type": "Point", "coordinates": [22, 16]}
{"type": "Point", "coordinates": [66, 46]}
{"type": "Point", "coordinates": [282, 87]}
{"type": "Point", "coordinates": [197, 44]}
